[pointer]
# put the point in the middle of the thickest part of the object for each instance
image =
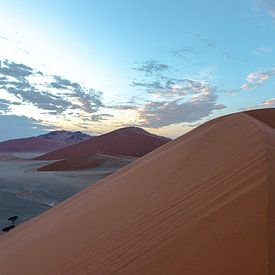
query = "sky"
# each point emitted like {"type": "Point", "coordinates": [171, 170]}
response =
{"type": "Point", "coordinates": [165, 66]}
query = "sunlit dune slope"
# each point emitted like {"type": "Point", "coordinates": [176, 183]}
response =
{"type": "Point", "coordinates": [201, 204]}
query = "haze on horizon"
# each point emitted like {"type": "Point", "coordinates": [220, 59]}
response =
{"type": "Point", "coordinates": [166, 66]}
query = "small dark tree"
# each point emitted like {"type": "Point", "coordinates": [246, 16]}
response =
{"type": "Point", "coordinates": [13, 219]}
{"type": "Point", "coordinates": [8, 228]}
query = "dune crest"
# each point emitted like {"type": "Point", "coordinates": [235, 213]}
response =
{"type": "Point", "coordinates": [201, 204]}
{"type": "Point", "coordinates": [128, 141]}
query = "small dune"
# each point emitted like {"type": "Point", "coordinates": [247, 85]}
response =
{"type": "Point", "coordinates": [86, 162]}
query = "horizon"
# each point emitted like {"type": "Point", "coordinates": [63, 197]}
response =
{"type": "Point", "coordinates": [164, 66]}
{"type": "Point", "coordinates": [120, 128]}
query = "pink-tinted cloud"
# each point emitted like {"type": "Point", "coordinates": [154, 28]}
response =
{"type": "Point", "coordinates": [256, 79]}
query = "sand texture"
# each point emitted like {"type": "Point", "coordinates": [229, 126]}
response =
{"type": "Point", "coordinates": [201, 204]}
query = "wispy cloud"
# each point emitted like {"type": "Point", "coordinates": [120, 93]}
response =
{"type": "Point", "coordinates": [152, 67]}
{"type": "Point", "coordinates": [100, 117]}
{"type": "Point", "coordinates": [183, 52]}
{"type": "Point", "coordinates": [4, 106]}
{"type": "Point", "coordinates": [269, 103]}
{"type": "Point", "coordinates": [124, 107]}
{"type": "Point", "coordinates": [262, 51]}
{"type": "Point", "coordinates": [269, 5]}
{"type": "Point", "coordinates": [256, 79]}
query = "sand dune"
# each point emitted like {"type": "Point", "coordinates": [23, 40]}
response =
{"type": "Point", "coordinates": [201, 204]}
{"type": "Point", "coordinates": [129, 141]}
{"type": "Point", "coordinates": [267, 116]}
{"type": "Point", "coordinates": [87, 162]}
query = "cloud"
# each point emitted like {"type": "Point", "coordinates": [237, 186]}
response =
{"type": "Point", "coordinates": [175, 100]}
{"type": "Point", "coordinates": [269, 103]}
{"type": "Point", "coordinates": [228, 56]}
{"type": "Point", "coordinates": [183, 52]}
{"type": "Point", "coordinates": [19, 71]}
{"type": "Point", "coordinates": [157, 114]}
{"type": "Point", "coordinates": [173, 87]}
{"type": "Point", "coordinates": [4, 106]}
{"type": "Point", "coordinates": [89, 99]}
{"type": "Point", "coordinates": [124, 107]}
{"type": "Point", "coordinates": [269, 5]}
{"type": "Point", "coordinates": [50, 93]}
{"type": "Point", "coordinates": [262, 51]}
{"type": "Point", "coordinates": [152, 67]}
{"type": "Point", "coordinates": [100, 117]}
{"type": "Point", "coordinates": [208, 43]}
{"type": "Point", "coordinates": [256, 79]}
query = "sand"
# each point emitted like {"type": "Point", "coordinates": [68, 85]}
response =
{"type": "Point", "coordinates": [129, 141]}
{"type": "Point", "coordinates": [87, 162]}
{"type": "Point", "coordinates": [26, 193]}
{"type": "Point", "coordinates": [201, 204]}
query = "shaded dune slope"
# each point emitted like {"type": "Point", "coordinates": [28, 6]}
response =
{"type": "Point", "coordinates": [201, 204]}
{"type": "Point", "coordinates": [130, 141]}
{"type": "Point", "coordinates": [267, 116]}
{"type": "Point", "coordinates": [86, 162]}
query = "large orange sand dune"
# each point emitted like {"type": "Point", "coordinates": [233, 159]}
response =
{"type": "Point", "coordinates": [201, 204]}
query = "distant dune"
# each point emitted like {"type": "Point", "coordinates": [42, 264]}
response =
{"type": "Point", "coordinates": [43, 143]}
{"type": "Point", "coordinates": [87, 162]}
{"type": "Point", "coordinates": [201, 204]}
{"type": "Point", "coordinates": [129, 141]}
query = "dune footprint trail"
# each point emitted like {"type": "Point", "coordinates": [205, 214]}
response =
{"type": "Point", "coordinates": [201, 204]}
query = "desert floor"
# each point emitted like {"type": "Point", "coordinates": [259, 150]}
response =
{"type": "Point", "coordinates": [25, 192]}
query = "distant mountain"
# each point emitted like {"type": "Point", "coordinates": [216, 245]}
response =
{"type": "Point", "coordinates": [129, 141]}
{"type": "Point", "coordinates": [43, 143]}
{"type": "Point", "coordinates": [66, 136]}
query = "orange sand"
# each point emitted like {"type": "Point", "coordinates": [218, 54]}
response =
{"type": "Point", "coordinates": [201, 204]}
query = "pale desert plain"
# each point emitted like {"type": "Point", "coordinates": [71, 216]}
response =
{"type": "Point", "coordinates": [26, 192]}
{"type": "Point", "coordinates": [201, 204]}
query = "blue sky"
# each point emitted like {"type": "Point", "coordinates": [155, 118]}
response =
{"type": "Point", "coordinates": [167, 66]}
